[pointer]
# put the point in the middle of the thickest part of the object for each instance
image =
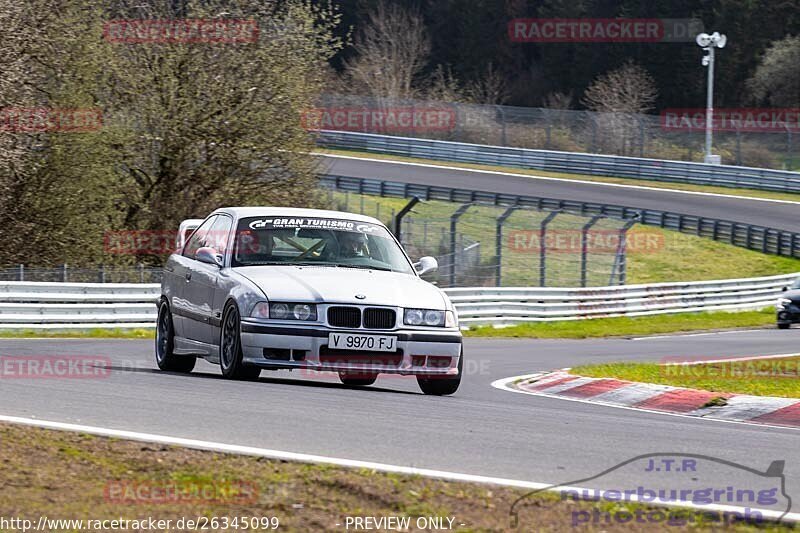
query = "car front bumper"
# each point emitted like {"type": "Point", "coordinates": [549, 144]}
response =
{"type": "Point", "coordinates": [788, 314]}
{"type": "Point", "coordinates": [419, 352]}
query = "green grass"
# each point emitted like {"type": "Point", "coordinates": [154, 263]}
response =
{"type": "Point", "coordinates": [764, 377]}
{"type": "Point", "coordinates": [629, 326]}
{"type": "Point", "coordinates": [117, 333]}
{"type": "Point", "coordinates": [77, 476]}
{"type": "Point", "coordinates": [751, 193]}
{"type": "Point", "coordinates": [660, 256]}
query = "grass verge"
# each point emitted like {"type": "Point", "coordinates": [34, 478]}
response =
{"type": "Point", "coordinates": [78, 476]}
{"type": "Point", "coordinates": [762, 377]}
{"type": "Point", "coordinates": [117, 333]}
{"type": "Point", "coordinates": [750, 193]}
{"type": "Point", "coordinates": [627, 326]}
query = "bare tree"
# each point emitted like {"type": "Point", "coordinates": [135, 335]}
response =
{"type": "Point", "coordinates": [558, 100]}
{"type": "Point", "coordinates": [443, 86]}
{"type": "Point", "coordinates": [186, 127]}
{"type": "Point", "coordinates": [620, 98]}
{"type": "Point", "coordinates": [391, 51]}
{"type": "Point", "coordinates": [490, 88]}
{"type": "Point", "coordinates": [777, 78]}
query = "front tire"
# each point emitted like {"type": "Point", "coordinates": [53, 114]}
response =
{"type": "Point", "coordinates": [165, 343]}
{"type": "Point", "coordinates": [357, 380]}
{"type": "Point", "coordinates": [230, 348]}
{"type": "Point", "coordinates": [436, 386]}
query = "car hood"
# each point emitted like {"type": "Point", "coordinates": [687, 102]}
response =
{"type": "Point", "coordinates": [341, 285]}
{"type": "Point", "coordinates": [792, 294]}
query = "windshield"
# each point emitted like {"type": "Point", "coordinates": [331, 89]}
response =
{"type": "Point", "coordinates": [317, 241]}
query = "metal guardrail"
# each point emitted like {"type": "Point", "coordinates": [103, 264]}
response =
{"type": "Point", "coordinates": [30, 305]}
{"type": "Point", "coordinates": [504, 306]}
{"type": "Point", "coordinates": [759, 238]}
{"type": "Point", "coordinates": [571, 162]}
{"type": "Point", "coordinates": [37, 305]}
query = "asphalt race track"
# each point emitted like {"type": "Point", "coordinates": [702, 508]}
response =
{"type": "Point", "coordinates": [779, 215]}
{"type": "Point", "coordinates": [481, 430]}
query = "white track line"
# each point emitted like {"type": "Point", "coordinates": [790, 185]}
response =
{"type": "Point", "coordinates": [548, 178]}
{"type": "Point", "coordinates": [505, 385]}
{"type": "Point", "coordinates": [707, 333]}
{"type": "Point", "coordinates": [351, 463]}
{"type": "Point", "coordinates": [731, 359]}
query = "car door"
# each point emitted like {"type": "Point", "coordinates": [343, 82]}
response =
{"type": "Point", "coordinates": [201, 289]}
{"type": "Point", "coordinates": [184, 310]}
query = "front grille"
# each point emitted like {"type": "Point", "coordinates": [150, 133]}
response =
{"type": "Point", "coordinates": [375, 318]}
{"type": "Point", "coordinates": [347, 357]}
{"type": "Point", "coordinates": [344, 317]}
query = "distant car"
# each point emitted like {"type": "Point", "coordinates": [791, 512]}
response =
{"type": "Point", "coordinates": [276, 288]}
{"type": "Point", "coordinates": [788, 306]}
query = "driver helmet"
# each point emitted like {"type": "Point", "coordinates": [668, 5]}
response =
{"type": "Point", "coordinates": [353, 244]}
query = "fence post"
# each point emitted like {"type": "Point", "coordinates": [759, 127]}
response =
{"type": "Point", "coordinates": [503, 138]}
{"type": "Point", "coordinates": [141, 273]}
{"type": "Point", "coordinates": [498, 244]}
{"type": "Point", "coordinates": [64, 276]}
{"type": "Point", "coordinates": [585, 246]}
{"type": "Point", "coordinates": [453, 228]}
{"type": "Point", "coordinates": [641, 137]}
{"type": "Point", "coordinates": [21, 274]}
{"type": "Point", "coordinates": [738, 147]}
{"type": "Point", "coordinates": [102, 274]}
{"type": "Point", "coordinates": [621, 258]}
{"type": "Point", "coordinates": [398, 218]}
{"type": "Point", "coordinates": [543, 247]}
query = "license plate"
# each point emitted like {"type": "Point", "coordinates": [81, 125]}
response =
{"type": "Point", "coordinates": [366, 343]}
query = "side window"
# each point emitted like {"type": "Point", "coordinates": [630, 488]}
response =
{"type": "Point", "coordinates": [198, 238]}
{"type": "Point", "coordinates": [217, 238]}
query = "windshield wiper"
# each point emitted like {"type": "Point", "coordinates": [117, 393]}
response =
{"type": "Point", "coordinates": [364, 267]}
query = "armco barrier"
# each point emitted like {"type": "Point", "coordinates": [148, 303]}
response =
{"type": "Point", "coordinates": [25, 305]}
{"type": "Point", "coordinates": [760, 238]}
{"type": "Point", "coordinates": [570, 162]}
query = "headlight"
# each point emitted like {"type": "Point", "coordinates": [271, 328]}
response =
{"type": "Point", "coordinates": [783, 302]}
{"type": "Point", "coordinates": [285, 311]}
{"type": "Point", "coordinates": [425, 317]}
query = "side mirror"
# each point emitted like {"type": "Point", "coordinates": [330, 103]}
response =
{"type": "Point", "coordinates": [785, 289]}
{"type": "Point", "coordinates": [426, 265]}
{"type": "Point", "coordinates": [209, 255]}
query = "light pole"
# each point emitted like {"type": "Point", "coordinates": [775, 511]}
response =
{"type": "Point", "coordinates": [708, 43]}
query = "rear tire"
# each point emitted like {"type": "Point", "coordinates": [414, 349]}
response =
{"type": "Point", "coordinates": [230, 348]}
{"type": "Point", "coordinates": [436, 386]}
{"type": "Point", "coordinates": [165, 343]}
{"type": "Point", "coordinates": [783, 325]}
{"type": "Point", "coordinates": [357, 380]}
